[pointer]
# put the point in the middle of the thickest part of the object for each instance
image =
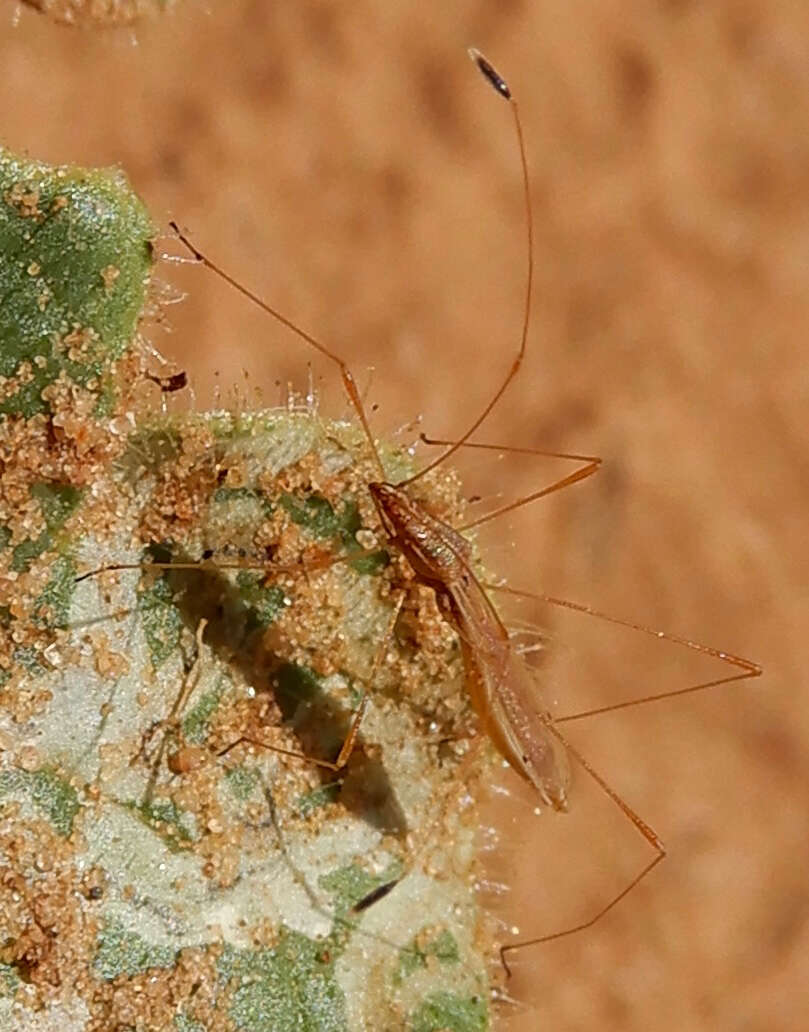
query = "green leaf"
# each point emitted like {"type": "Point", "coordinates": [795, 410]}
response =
{"type": "Point", "coordinates": [57, 502]}
{"type": "Point", "coordinates": [264, 602]}
{"type": "Point", "coordinates": [164, 818]}
{"type": "Point", "coordinates": [226, 495]}
{"type": "Point", "coordinates": [162, 620]}
{"type": "Point", "coordinates": [241, 781]}
{"type": "Point", "coordinates": [448, 1012]}
{"type": "Point", "coordinates": [371, 564]}
{"type": "Point", "coordinates": [121, 952]}
{"type": "Point", "coordinates": [182, 1023]}
{"type": "Point", "coordinates": [414, 957]}
{"type": "Point", "coordinates": [196, 721]}
{"type": "Point", "coordinates": [318, 797]}
{"type": "Point", "coordinates": [314, 513]}
{"type": "Point", "coordinates": [52, 608]}
{"type": "Point", "coordinates": [9, 980]}
{"type": "Point", "coordinates": [76, 259]}
{"type": "Point", "coordinates": [47, 791]}
{"type": "Point", "coordinates": [296, 683]}
{"type": "Point", "coordinates": [352, 883]}
{"type": "Point", "coordinates": [291, 986]}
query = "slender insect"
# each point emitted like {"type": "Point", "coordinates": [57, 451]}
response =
{"type": "Point", "coordinates": [501, 687]}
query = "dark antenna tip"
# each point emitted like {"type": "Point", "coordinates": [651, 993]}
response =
{"type": "Point", "coordinates": [490, 73]}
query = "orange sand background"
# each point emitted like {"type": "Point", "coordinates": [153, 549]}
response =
{"type": "Point", "coordinates": [345, 160]}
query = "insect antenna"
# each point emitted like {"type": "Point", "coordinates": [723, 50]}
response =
{"type": "Point", "coordinates": [589, 464]}
{"type": "Point", "coordinates": [499, 84]}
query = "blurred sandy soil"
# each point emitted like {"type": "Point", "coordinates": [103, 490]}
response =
{"type": "Point", "coordinates": [345, 161]}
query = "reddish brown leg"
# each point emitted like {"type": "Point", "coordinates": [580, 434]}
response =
{"type": "Point", "coordinates": [297, 568]}
{"type": "Point", "coordinates": [591, 465]}
{"type": "Point", "coordinates": [645, 830]}
{"type": "Point", "coordinates": [500, 86]}
{"type": "Point", "coordinates": [327, 764]}
{"type": "Point", "coordinates": [171, 722]}
{"type": "Point", "coordinates": [351, 738]}
{"type": "Point", "coordinates": [243, 564]}
{"type": "Point", "coordinates": [349, 382]}
{"type": "Point", "coordinates": [748, 670]}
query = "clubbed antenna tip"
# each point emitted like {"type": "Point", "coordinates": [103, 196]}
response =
{"type": "Point", "coordinates": [490, 73]}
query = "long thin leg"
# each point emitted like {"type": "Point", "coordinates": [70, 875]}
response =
{"type": "Point", "coordinates": [516, 449]}
{"type": "Point", "coordinates": [591, 466]}
{"type": "Point", "coordinates": [747, 667]}
{"type": "Point", "coordinates": [748, 670]}
{"type": "Point", "coordinates": [209, 564]}
{"type": "Point", "coordinates": [326, 764]}
{"type": "Point", "coordinates": [148, 565]}
{"type": "Point", "coordinates": [351, 738]}
{"type": "Point", "coordinates": [171, 721]}
{"type": "Point", "coordinates": [558, 485]}
{"type": "Point", "coordinates": [349, 382]}
{"type": "Point", "coordinates": [649, 834]}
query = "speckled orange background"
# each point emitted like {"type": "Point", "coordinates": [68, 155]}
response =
{"type": "Point", "coordinates": [345, 161]}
